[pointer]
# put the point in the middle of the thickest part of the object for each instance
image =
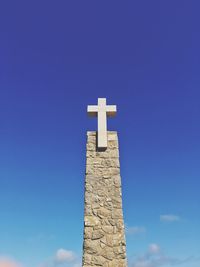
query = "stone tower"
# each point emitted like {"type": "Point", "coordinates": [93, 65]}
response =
{"type": "Point", "coordinates": [104, 236]}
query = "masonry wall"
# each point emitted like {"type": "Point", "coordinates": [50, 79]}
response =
{"type": "Point", "coordinates": [104, 239]}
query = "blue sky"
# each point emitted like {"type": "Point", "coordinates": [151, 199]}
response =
{"type": "Point", "coordinates": [56, 57]}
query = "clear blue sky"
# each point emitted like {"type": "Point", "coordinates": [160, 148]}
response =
{"type": "Point", "coordinates": [56, 57]}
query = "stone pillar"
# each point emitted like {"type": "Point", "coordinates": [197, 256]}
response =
{"type": "Point", "coordinates": [104, 237]}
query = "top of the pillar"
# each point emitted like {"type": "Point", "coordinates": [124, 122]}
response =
{"type": "Point", "coordinates": [92, 133]}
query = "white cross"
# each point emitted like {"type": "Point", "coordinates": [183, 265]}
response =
{"type": "Point", "coordinates": [102, 111]}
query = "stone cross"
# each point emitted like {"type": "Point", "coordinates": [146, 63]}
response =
{"type": "Point", "coordinates": [102, 111]}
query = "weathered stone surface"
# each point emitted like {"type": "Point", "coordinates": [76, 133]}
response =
{"type": "Point", "coordinates": [104, 239]}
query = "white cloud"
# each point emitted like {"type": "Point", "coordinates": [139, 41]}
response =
{"type": "Point", "coordinates": [135, 230]}
{"type": "Point", "coordinates": [154, 249]}
{"type": "Point", "coordinates": [169, 218]}
{"type": "Point", "coordinates": [63, 255]}
{"type": "Point", "coordinates": [154, 257]}
{"type": "Point", "coordinates": [5, 262]}
{"type": "Point", "coordinates": [62, 258]}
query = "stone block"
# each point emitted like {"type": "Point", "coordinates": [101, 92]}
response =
{"type": "Point", "coordinates": [104, 236]}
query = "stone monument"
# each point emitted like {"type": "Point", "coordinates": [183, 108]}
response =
{"type": "Point", "coordinates": [104, 236]}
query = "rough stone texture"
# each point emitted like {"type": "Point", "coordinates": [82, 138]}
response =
{"type": "Point", "coordinates": [104, 238]}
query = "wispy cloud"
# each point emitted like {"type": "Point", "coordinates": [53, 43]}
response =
{"type": "Point", "coordinates": [62, 258]}
{"type": "Point", "coordinates": [153, 249]}
{"type": "Point", "coordinates": [77, 265]}
{"type": "Point", "coordinates": [64, 255]}
{"type": "Point", "coordinates": [6, 262]}
{"type": "Point", "coordinates": [135, 230]}
{"type": "Point", "coordinates": [41, 238]}
{"type": "Point", "coordinates": [155, 257]}
{"type": "Point", "coordinates": [169, 218]}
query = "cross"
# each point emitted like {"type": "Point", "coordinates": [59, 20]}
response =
{"type": "Point", "coordinates": [102, 111]}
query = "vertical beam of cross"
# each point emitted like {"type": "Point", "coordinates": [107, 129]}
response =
{"type": "Point", "coordinates": [102, 111]}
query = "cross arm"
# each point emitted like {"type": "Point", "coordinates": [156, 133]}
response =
{"type": "Point", "coordinates": [111, 110]}
{"type": "Point", "coordinates": [92, 111]}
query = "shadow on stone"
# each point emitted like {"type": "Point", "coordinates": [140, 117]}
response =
{"type": "Point", "coordinates": [99, 149]}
